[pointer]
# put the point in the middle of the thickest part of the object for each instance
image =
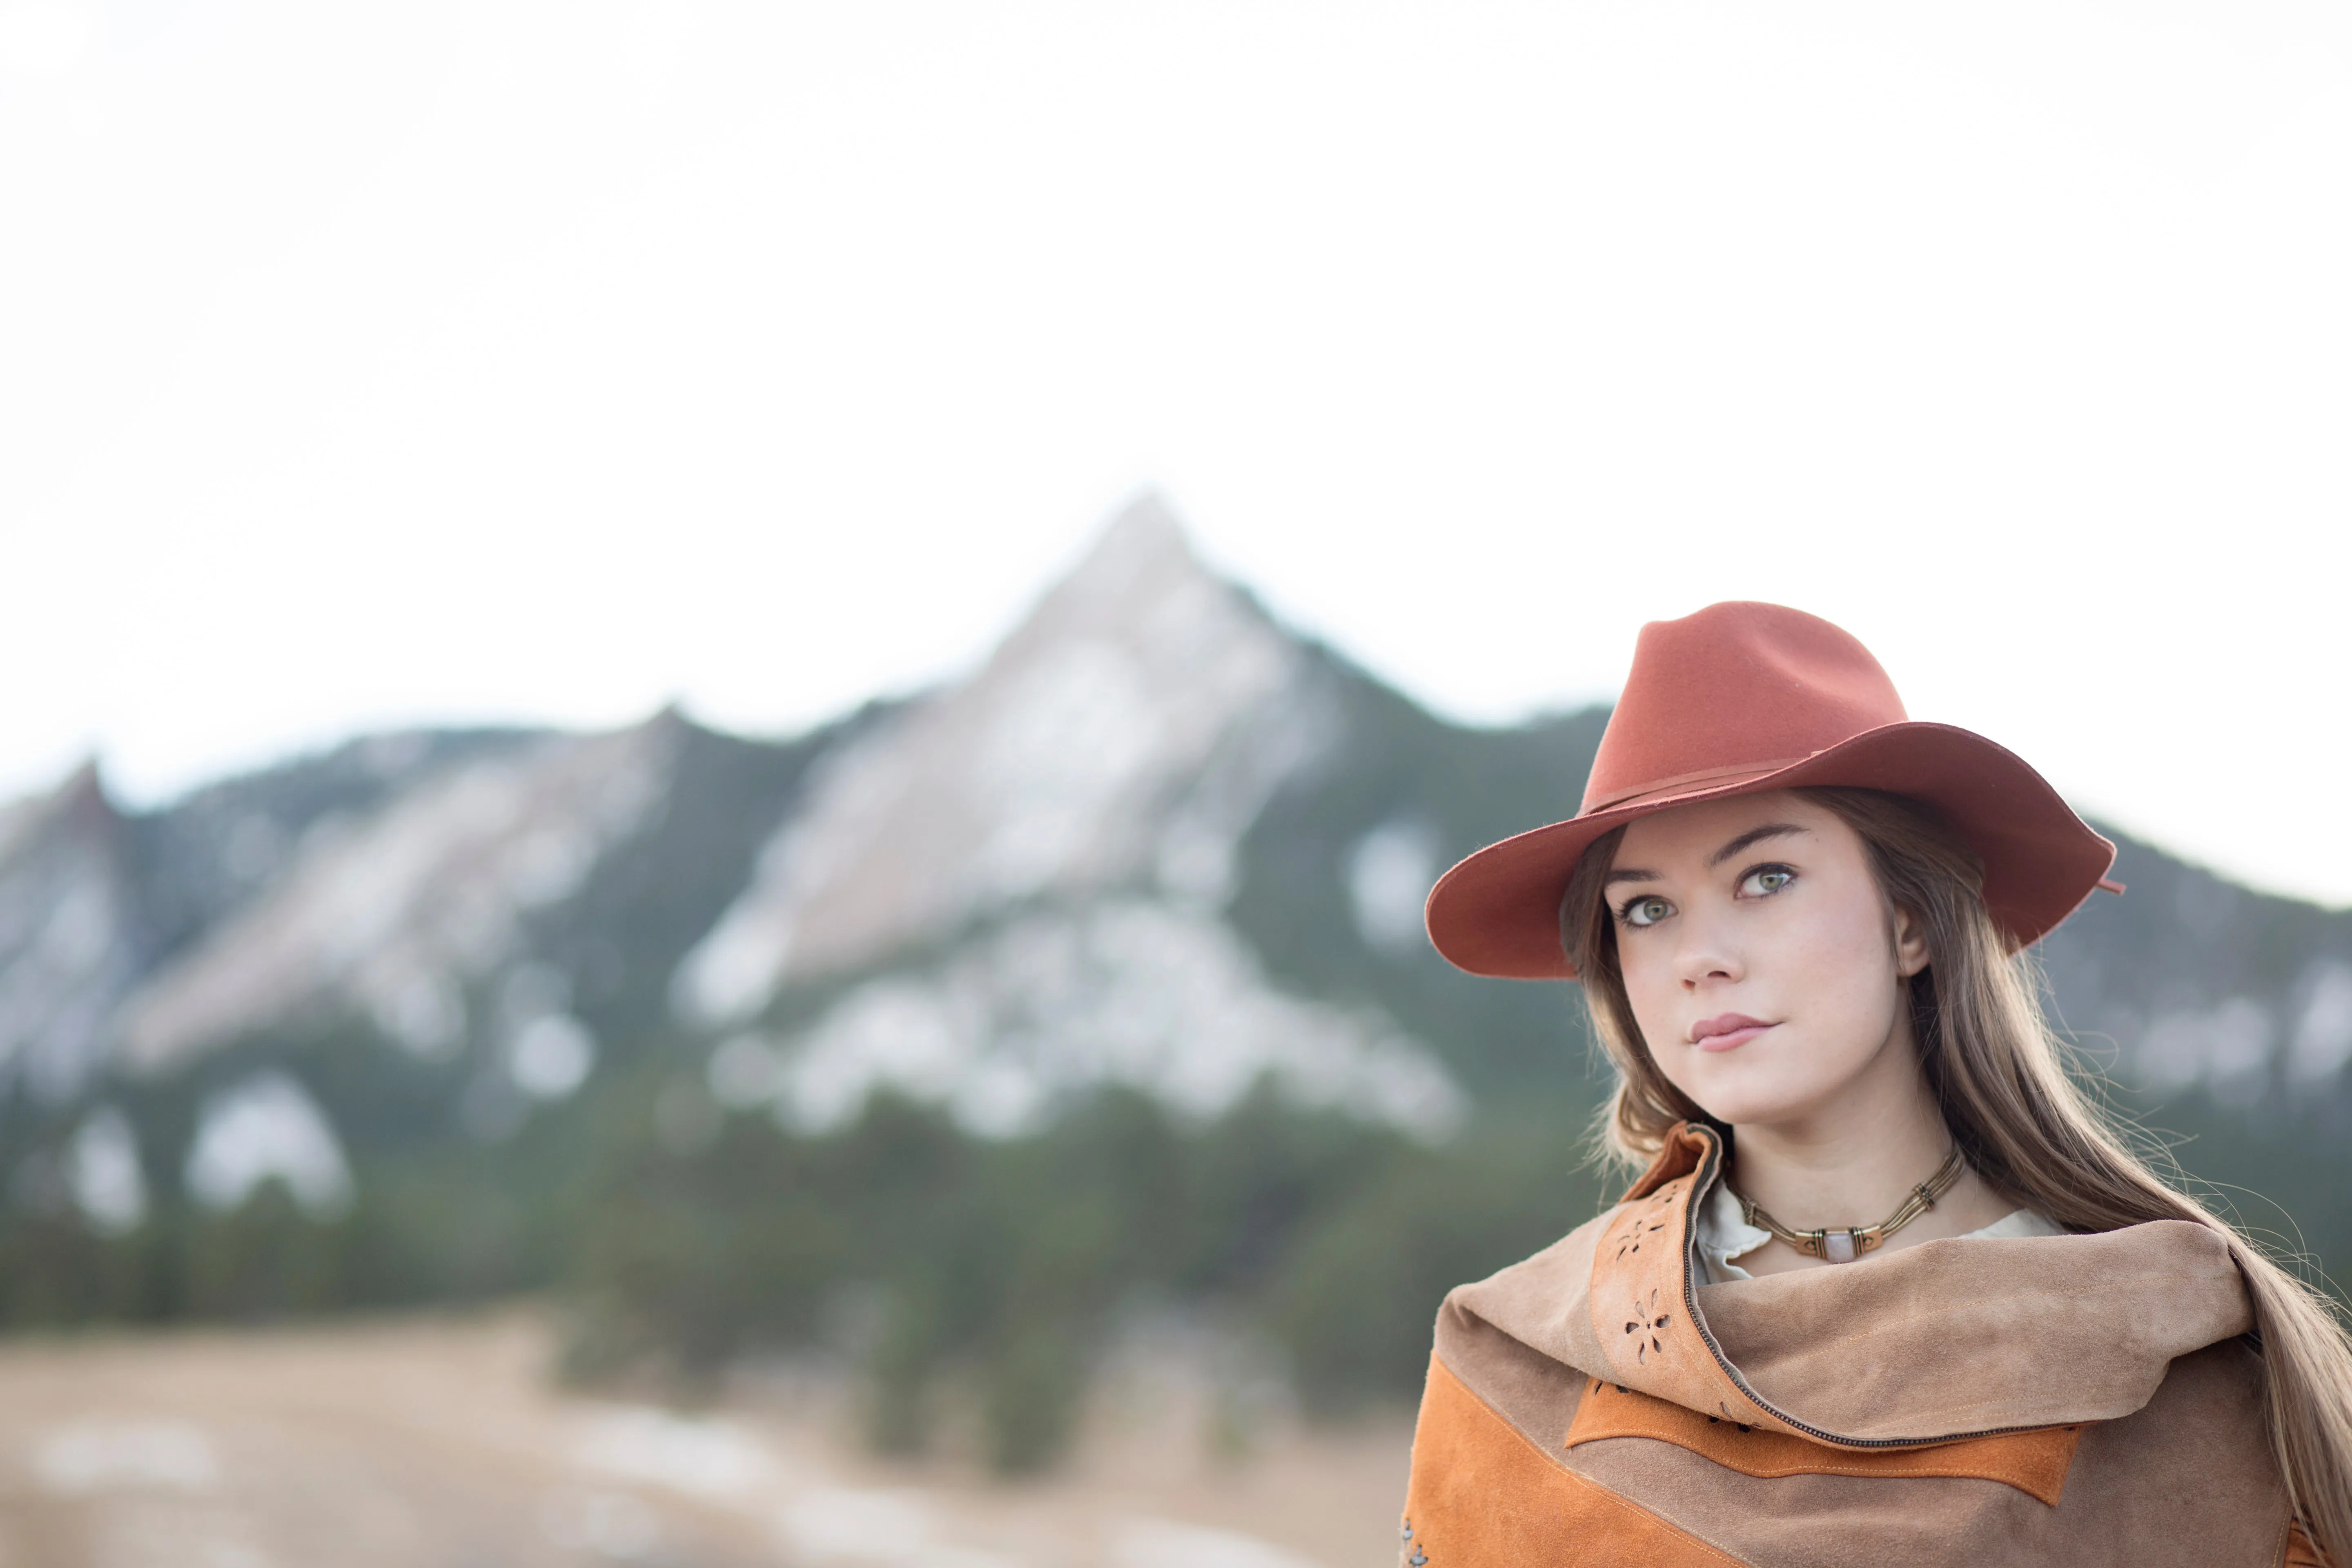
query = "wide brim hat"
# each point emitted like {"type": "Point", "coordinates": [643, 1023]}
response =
{"type": "Point", "coordinates": [1744, 697]}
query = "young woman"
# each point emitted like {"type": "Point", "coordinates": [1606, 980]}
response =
{"type": "Point", "coordinates": [1889, 1292]}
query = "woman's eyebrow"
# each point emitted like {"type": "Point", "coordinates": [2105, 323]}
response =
{"type": "Point", "coordinates": [1629, 875]}
{"type": "Point", "coordinates": [1753, 835]}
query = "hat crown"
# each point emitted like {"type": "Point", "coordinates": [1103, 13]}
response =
{"type": "Point", "coordinates": [1735, 688]}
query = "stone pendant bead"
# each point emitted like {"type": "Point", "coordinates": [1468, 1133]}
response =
{"type": "Point", "coordinates": [1838, 1247]}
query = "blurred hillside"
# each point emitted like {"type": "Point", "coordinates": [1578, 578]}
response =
{"type": "Point", "coordinates": [948, 1041]}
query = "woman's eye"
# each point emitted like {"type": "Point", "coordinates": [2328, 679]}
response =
{"type": "Point", "coordinates": [1646, 911]}
{"type": "Point", "coordinates": [1766, 880]}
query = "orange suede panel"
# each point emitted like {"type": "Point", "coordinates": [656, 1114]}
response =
{"type": "Point", "coordinates": [1481, 1496]}
{"type": "Point", "coordinates": [1636, 1297]}
{"type": "Point", "coordinates": [1640, 1318]}
{"type": "Point", "coordinates": [1679, 1155]}
{"type": "Point", "coordinates": [2300, 1551]}
{"type": "Point", "coordinates": [2036, 1463]}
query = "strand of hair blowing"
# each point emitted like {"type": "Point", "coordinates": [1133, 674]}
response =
{"type": "Point", "coordinates": [2000, 1075]}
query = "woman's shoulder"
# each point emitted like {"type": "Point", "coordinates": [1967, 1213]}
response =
{"type": "Point", "coordinates": [1543, 1301]}
{"type": "Point", "coordinates": [1541, 1273]}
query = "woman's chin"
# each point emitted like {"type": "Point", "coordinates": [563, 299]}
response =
{"type": "Point", "coordinates": [1747, 1106]}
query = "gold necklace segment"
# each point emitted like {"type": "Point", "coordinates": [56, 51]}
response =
{"type": "Point", "coordinates": [1845, 1246]}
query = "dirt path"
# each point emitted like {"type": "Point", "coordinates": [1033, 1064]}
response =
{"type": "Point", "coordinates": [440, 1443]}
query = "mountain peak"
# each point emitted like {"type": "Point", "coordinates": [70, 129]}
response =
{"type": "Point", "coordinates": [85, 788]}
{"type": "Point", "coordinates": [1146, 516]}
{"type": "Point", "coordinates": [396, 913]}
{"type": "Point", "coordinates": [1140, 563]}
{"type": "Point", "coordinates": [1127, 731]}
{"type": "Point", "coordinates": [78, 801]}
{"type": "Point", "coordinates": [1142, 533]}
{"type": "Point", "coordinates": [69, 936]}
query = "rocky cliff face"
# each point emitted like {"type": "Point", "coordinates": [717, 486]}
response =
{"type": "Point", "coordinates": [2192, 986]}
{"type": "Point", "coordinates": [1057, 841]}
{"type": "Point", "coordinates": [72, 938]}
{"type": "Point", "coordinates": [1126, 736]}
{"type": "Point", "coordinates": [394, 915]}
{"type": "Point", "coordinates": [1155, 841]}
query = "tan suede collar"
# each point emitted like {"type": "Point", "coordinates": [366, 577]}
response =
{"type": "Point", "coordinates": [1945, 1340]}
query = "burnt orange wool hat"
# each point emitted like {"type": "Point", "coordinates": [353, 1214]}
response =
{"type": "Point", "coordinates": [1743, 697]}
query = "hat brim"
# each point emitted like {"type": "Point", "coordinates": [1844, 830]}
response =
{"type": "Point", "coordinates": [1497, 912]}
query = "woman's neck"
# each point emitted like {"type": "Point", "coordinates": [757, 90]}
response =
{"type": "Point", "coordinates": [1854, 1163]}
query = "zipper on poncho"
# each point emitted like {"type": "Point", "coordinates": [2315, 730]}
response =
{"type": "Point", "coordinates": [1700, 1180]}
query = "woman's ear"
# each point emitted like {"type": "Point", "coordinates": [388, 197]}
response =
{"type": "Point", "coordinates": [1910, 943]}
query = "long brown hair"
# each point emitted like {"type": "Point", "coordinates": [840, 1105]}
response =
{"type": "Point", "coordinates": [2025, 1124]}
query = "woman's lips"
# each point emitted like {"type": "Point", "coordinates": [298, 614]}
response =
{"type": "Point", "coordinates": [1728, 1033]}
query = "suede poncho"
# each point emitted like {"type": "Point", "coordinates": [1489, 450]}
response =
{"type": "Point", "coordinates": [2051, 1400]}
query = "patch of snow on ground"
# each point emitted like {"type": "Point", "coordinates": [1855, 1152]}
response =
{"type": "Point", "coordinates": [87, 1458]}
{"type": "Point", "coordinates": [839, 1524]}
{"type": "Point", "coordinates": [1157, 1543]}
{"type": "Point", "coordinates": [717, 1462]}
{"type": "Point", "coordinates": [704, 1458]}
{"type": "Point", "coordinates": [607, 1523]}
{"type": "Point", "coordinates": [267, 1127]}
{"type": "Point", "coordinates": [1134, 991]}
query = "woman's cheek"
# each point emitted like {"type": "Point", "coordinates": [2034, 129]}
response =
{"type": "Point", "coordinates": [1849, 985]}
{"type": "Point", "coordinates": [1653, 1009]}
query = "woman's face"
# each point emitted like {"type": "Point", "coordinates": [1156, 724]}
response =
{"type": "Point", "coordinates": [1763, 963]}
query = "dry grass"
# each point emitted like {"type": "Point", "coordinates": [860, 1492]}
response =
{"type": "Point", "coordinates": [442, 1442]}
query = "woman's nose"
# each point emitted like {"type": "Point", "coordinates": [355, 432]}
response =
{"type": "Point", "coordinates": [1702, 957]}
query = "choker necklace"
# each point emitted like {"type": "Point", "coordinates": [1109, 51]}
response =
{"type": "Point", "coordinates": [1846, 1244]}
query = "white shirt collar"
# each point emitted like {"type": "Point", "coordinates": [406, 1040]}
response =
{"type": "Point", "coordinates": [1725, 1234]}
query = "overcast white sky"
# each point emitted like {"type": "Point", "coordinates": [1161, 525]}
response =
{"type": "Point", "coordinates": [363, 364]}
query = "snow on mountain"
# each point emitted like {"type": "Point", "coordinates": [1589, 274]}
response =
{"type": "Point", "coordinates": [2239, 1048]}
{"type": "Point", "coordinates": [1137, 991]}
{"type": "Point", "coordinates": [212, 851]}
{"type": "Point", "coordinates": [2323, 1035]}
{"type": "Point", "coordinates": [1069, 820]}
{"type": "Point", "coordinates": [2191, 983]}
{"type": "Point", "coordinates": [266, 1128]}
{"type": "Point", "coordinates": [104, 1174]}
{"type": "Point", "coordinates": [1128, 733]}
{"type": "Point", "coordinates": [69, 939]}
{"type": "Point", "coordinates": [996, 897]}
{"type": "Point", "coordinates": [1390, 872]}
{"type": "Point", "coordinates": [394, 915]}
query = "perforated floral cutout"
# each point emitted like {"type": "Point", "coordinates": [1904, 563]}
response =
{"type": "Point", "coordinates": [1647, 1225]}
{"type": "Point", "coordinates": [1643, 1230]}
{"type": "Point", "coordinates": [1641, 1300]}
{"type": "Point", "coordinates": [1646, 1325]}
{"type": "Point", "coordinates": [1640, 1249]}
